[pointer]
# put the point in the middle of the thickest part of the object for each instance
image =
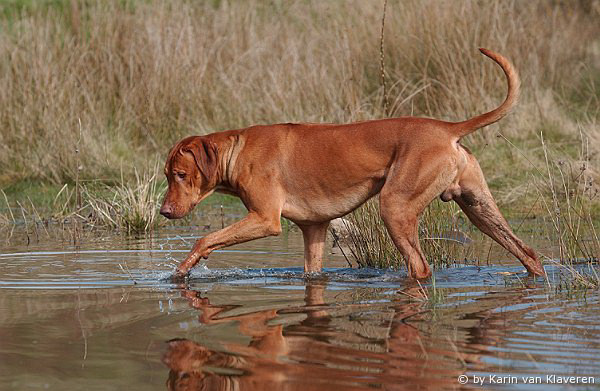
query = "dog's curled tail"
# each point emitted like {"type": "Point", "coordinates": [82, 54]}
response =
{"type": "Point", "coordinates": [461, 129]}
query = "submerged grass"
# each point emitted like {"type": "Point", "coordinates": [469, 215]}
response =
{"type": "Point", "coordinates": [574, 279]}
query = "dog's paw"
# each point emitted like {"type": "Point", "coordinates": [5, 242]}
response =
{"type": "Point", "coordinates": [180, 276]}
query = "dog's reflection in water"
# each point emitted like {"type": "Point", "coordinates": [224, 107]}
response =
{"type": "Point", "coordinates": [258, 365]}
{"type": "Point", "coordinates": [314, 353]}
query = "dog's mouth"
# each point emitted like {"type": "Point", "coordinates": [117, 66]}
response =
{"type": "Point", "coordinates": [173, 211]}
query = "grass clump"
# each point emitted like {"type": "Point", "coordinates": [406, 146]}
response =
{"type": "Point", "coordinates": [568, 193]}
{"type": "Point", "coordinates": [4, 219]}
{"type": "Point", "coordinates": [576, 280]}
{"type": "Point", "coordinates": [368, 240]}
{"type": "Point", "coordinates": [443, 238]}
{"type": "Point", "coordinates": [4, 216]}
{"type": "Point", "coordinates": [370, 245]}
{"type": "Point", "coordinates": [132, 208]}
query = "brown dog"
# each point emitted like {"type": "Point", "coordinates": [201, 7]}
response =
{"type": "Point", "coordinates": [313, 173]}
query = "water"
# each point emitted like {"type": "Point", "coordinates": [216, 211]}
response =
{"type": "Point", "coordinates": [103, 314]}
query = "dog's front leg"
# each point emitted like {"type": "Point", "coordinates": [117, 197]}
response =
{"type": "Point", "coordinates": [254, 226]}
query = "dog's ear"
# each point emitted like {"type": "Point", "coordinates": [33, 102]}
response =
{"type": "Point", "coordinates": [206, 156]}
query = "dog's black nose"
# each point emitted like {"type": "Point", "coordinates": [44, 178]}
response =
{"type": "Point", "coordinates": [166, 211]}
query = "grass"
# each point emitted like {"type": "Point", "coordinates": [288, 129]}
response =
{"type": "Point", "coordinates": [137, 75]}
{"type": "Point", "coordinates": [443, 235]}
{"type": "Point", "coordinates": [133, 209]}
{"type": "Point", "coordinates": [574, 280]}
{"type": "Point", "coordinates": [130, 206]}
{"type": "Point", "coordinates": [432, 295]}
{"type": "Point", "coordinates": [439, 229]}
{"type": "Point", "coordinates": [4, 220]}
{"type": "Point", "coordinates": [6, 217]}
{"type": "Point", "coordinates": [568, 194]}
{"type": "Point", "coordinates": [368, 240]}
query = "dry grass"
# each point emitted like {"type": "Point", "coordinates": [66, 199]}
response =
{"type": "Point", "coordinates": [140, 74]}
{"type": "Point", "coordinates": [127, 207]}
{"type": "Point", "coordinates": [568, 193]}
{"type": "Point", "coordinates": [368, 240]}
{"type": "Point", "coordinates": [6, 218]}
{"type": "Point", "coordinates": [441, 239]}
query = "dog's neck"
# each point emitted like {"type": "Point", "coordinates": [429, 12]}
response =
{"type": "Point", "coordinates": [228, 152]}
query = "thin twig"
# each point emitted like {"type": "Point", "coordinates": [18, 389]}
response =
{"type": "Point", "coordinates": [12, 216]}
{"type": "Point", "coordinates": [336, 240]}
{"type": "Point", "coordinates": [386, 103]}
{"type": "Point", "coordinates": [83, 334]}
{"type": "Point", "coordinates": [78, 168]}
{"type": "Point", "coordinates": [222, 218]}
{"type": "Point", "coordinates": [126, 270]}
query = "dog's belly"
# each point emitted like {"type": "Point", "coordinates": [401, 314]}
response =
{"type": "Point", "coordinates": [317, 208]}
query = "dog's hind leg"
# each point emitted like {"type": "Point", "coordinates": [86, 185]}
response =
{"type": "Point", "coordinates": [475, 199]}
{"type": "Point", "coordinates": [314, 243]}
{"type": "Point", "coordinates": [402, 227]}
{"type": "Point", "coordinates": [403, 198]}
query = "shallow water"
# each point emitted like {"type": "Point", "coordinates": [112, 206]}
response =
{"type": "Point", "coordinates": [103, 315]}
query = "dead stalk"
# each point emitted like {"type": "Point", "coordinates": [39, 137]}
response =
{"type": "Point", "coordinates": [382, 61]}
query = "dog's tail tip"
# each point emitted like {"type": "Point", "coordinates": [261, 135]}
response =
{"type": "Point", "coordinates": [461, 129]}
{"type": "Point", "coordinates": [489, 53]}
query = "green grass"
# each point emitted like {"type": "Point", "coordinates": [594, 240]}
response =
{"type": "Point", "coordinates": [15, 8]}
{"type": "Point", "coordinates": [41, 193]}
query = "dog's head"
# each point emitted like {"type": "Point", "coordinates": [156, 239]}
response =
{"type": "Point", "coordinates": [191, 171]}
